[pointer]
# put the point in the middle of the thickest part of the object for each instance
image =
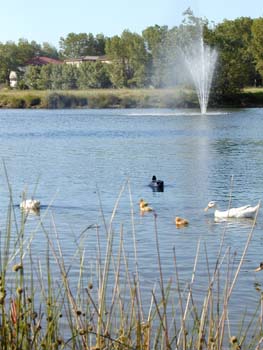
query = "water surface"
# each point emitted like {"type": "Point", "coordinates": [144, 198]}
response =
{"type": "Point", "coordinates": [73, 159]}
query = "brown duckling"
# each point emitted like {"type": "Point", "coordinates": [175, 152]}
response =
{"type": "Point", "coordinates": [260, 268]}
{"type": "Point", "coordinates": [144, 207]}
{"type": "Point", "coordinates": [180, 222]}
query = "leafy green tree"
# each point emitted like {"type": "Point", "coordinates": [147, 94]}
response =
{"type": "Point", "coordinates": [69, 77]}
{"type": "Point", "coordinates": [128, 58]}
{"type": "Point", "coordinates": [49, 50]}
{"type": "Point", "coordinates": [117, 67]}
{"type": "Point", "coordinates": [15, 56]}
{"type": "Point", "coordinates": [32, 77]}
{"type": "Point", "coordinates": [257, 43]}
{"type": "Point", "coordinates": [161, 44]}
{"type": "Point", "coordinates": [155, 37]}
{"type": "Point", "coordinates": [82, 44]}
{"type": "Point", "coordinates": [135, 60]}
{"type": "Point", "coordinates": [190, 29]}
{"type": "Point", "coordinates": [99, 45]}
{"type": "Point", "coordinates": [56, 77]}
{"type": "Point", "coordinates": [9, 60]}
{"type": "Point", "coordinates": [93, 75]}
{"type": "Point", "coordinates": [27, 50]}
{"type": "Point", "coordinates": [45, 77]}
{"type": "Point", "coordinates": [74, 45]}
{"type": "Point", "coordinates": [236, 66]}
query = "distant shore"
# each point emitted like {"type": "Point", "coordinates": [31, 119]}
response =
{"type": "Point", "coordinates": [123, 98]}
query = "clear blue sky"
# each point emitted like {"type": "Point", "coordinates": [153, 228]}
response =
{"type": "Point", "coordinates": [48, 20]}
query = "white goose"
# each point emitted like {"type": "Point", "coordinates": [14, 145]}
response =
{"type": "Point", "coordinates": [247, 211]}
{"type": "Point", "coordinates": [30, 204]}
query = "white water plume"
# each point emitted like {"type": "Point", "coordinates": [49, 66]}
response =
{"type": "Point", "coordinates": [200, 60]}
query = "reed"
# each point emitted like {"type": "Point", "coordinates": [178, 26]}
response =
{"type": "Point", "coordinates": [103, 306]}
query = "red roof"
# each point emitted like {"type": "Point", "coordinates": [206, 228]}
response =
{"type": "Point", "coordinates": [42, 60]}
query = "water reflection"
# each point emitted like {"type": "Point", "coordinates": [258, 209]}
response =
{"type": "Point", "coordinates": [226, 146]}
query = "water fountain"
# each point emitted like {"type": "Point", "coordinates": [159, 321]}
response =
{"type": "Point", "coordinates": [200, 60]}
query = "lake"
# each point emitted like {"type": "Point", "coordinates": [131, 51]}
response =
{"type": "Point", "coordinates": [76, 162]}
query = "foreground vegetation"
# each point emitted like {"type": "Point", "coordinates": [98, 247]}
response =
{"type": "Point", "coordinates": [44, 305]}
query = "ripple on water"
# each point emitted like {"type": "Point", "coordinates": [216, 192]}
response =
{"type": "Point", "coordinates": [78, 161]}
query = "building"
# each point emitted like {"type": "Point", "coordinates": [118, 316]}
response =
{"type": "Point", "coordinates": [42, 61]}
{"type": "Point", "coordinates": [35, 61]}
{"type": "Point", "coordinates": [78, 61]}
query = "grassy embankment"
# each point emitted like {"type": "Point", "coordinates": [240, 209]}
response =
{"type": "Point", "coordinates": [44, 306]}
{"type": "Point", "coordinates": [122, 98]}
{"type": "Point", "coordinates": [253, 97]}
{"type": "Point", "coordinates": [98, 98]}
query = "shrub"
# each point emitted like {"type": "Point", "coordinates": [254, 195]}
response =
{"type": "Point", "coordinates": [55, 100]}
{"type": "Point", "coordinates": [104, 101]}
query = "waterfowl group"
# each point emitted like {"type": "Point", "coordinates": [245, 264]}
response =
{"type": "Point", "coordinates": [246, 211]}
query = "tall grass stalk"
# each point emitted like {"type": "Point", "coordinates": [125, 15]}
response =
{"type": "Point", "coordinates": [47, 304]}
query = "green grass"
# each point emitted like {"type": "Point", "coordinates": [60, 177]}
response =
{"type": "Point", "coordinates": [122, 98]}
{"type": "Point", "coordinates": [253, 89]}
{"type": "Point", "coordinates": [99, 98]}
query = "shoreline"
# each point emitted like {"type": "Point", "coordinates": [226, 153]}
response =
{"type": "Point", "coordinates": [122, 98]}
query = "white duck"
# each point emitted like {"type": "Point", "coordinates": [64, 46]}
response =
{"type": "Point", "coordinates": [30, 204]}
{"type": "Point", "coordinates": [247, 211]}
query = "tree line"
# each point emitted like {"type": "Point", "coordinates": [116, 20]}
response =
{"type": "Point", "coordinates": [152, 59]}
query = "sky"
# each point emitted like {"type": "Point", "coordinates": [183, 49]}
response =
{"type": "Point", "coordinates": [49, 20]}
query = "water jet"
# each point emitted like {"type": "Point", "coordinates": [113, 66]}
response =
{"type": "Point", "coordinates": [200, 60]}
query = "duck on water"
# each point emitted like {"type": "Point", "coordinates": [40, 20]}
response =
{"type": "Point", "coordinates": [144, 207]}
{"type": "Point", "coordinates": [156, 185]}
{"type": "Point", "coordinates": [246, 211]}
{"type": "Point", "coordinates": [30, 204]}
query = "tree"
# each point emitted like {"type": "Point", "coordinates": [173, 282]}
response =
{"type": "Point", "coordinates": [45, 78]}
{"type": "Point", "coordinates": [161, 44]}
{"type": "Point", "coordinates": [82, 44]}
{"type": "Point", "coordinates": [69, 77]}
{"type": "Point", "coordinates": [99, 45]}
{"type": "Point", "coordinates": [257, 43]}
{"type": "Point", "coordinates": [128, 58]}
{"type": "Point", "coordinates": [154, 39]}
{"type": "Point", "coordinates": [9, 60]}
{"type": "Point", "coordinates": [49, 50]}
{"type": "Point", "coordinates": [115, 52]}
{"type": "Point", "coordinates": [190, 30]}
{"type": "Point", "coordinates": [93, 75]}
{"type": "Point", "coordinates": [56, 77]}
{"type": "Point", "coordinates": [32, 77]}
{"type": "Point", "coordinates": [27, 50]}
{"type": "Point", "coordinates": [236, 66]}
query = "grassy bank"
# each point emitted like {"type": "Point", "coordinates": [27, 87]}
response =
{"type": "Point", "coordinates": [43, 307]}
{"type": "Point", "coordinates": [108, 98]}
{"type": "Point", "coordinates": [123, 98]}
